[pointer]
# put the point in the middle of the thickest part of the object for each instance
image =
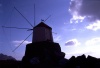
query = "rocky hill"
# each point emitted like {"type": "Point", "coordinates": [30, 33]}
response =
{"type": "Point", "coordinates": [5, 57]}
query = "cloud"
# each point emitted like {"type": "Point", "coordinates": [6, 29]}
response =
{"type": "Point", "coordinates": [84, 9]}
{"type": "Point", "coordinates": [94, 46]}
{"type": "Point", "coordinates": [57, 38]}
{"type": "Point", "coordinates": [73, 29]}
{"type": "Point", "coordinates": [89, 47]}
{"type": "Point", "coordinates": [19, 42]}
{"type": "Point", "coordinates": [94, 41]}
{"type": "Point", "coordinates": [72, 42]}
{"type": "Point", "coordinates": [95, 26]}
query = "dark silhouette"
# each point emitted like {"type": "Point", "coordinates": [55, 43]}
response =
{"type": "Point", "coordinates": [43, 54]}
{"type": "Point", "coordinates": [5, 57]}
{"type": "Point", "coordinates": [8, 61]}
{"type": "Point", "coordinates": [73, 62]}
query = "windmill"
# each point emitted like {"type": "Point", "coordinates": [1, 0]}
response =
{"type": "Point", "coordinates": [41, 32]}
{"type": "Point", "coordinates": [42, 49]}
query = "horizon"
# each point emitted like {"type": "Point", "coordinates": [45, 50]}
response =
{"type": "Point", "coordinates": [7, 57]}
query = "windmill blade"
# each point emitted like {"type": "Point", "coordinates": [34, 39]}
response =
{"type": "Point", "coordinates": [15, 27]}
{"type": "Point", "coordinates": [23, 16]}
{"type": "Point", "coordinates": [22, 42]}
{"type": "Point", "coordinates": [34, 15]}
{"type": "Point", "coordinates": [29, 29]}
{"type": "Point", "coordinates": [47, 18]}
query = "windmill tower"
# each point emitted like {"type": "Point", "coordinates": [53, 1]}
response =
{"type": "Point", "coordinates": [42, 32]}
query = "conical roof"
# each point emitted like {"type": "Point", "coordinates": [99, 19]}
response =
{"type": "Point", "coordinates": [42, 24]}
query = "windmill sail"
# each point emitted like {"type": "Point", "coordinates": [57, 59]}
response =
{"type": "Point", "coordinates": [22, 42]}
{"type": "Point", "coordinates": [23, 16]}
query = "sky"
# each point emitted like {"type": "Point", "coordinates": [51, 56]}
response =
{"type": "Point", "coordinates": [76, 22]}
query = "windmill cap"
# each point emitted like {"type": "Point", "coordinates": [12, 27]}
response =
{"type": "Point", "coordinates": [42, 24]}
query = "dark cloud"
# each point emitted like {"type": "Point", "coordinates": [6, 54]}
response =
{"type": "Point", "coordinates": [86, 8]}
{"type": "Point", "coordinates": [72, 42]}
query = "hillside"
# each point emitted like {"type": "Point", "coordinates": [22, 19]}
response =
{"type": "Point", "coordinates": [5, 57]}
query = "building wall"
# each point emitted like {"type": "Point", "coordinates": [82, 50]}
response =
{"type": "Point", "coordinates": [48, 34]}
{"type": "Point", "coordinates": [38, 34]}
{"type": "Point", "coordinates": [51, 35]}
{"type": "Point", "coordinates": [41, 34]}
